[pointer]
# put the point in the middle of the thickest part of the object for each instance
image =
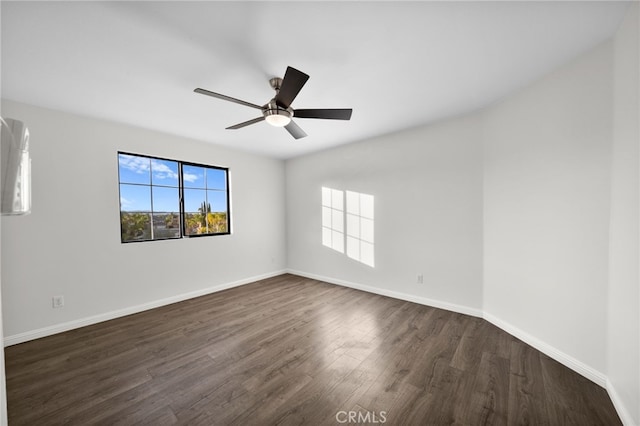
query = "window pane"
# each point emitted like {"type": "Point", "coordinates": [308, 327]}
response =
{"type": "Point", "coordinates": [205, 212]}
{"type": "Point", "coordinates": [217, 223]}
{"type": "Point", "coordinates": [194, 224]}
{"type": "Point", "coordinates": [166, 200]}
{"type": "Point", "coordinates": [195, 206]}
{"type": "Point", "coordinates": [216, 179]}
{"type": "Point", "coordinates": [135, 198]}
{"type": "Point", "coordinates": [134, 169]}
{"type": "Point", "coordinates": [194, 199]}
{"type": "Point", "coordinates": [193, 176]}
{"type": "Point", "coordinates": [135, 226]}
{"type": "Point", "coordinates": [166, 225]}
{"type": "Point", "coordinates": [164, 172]}
{"type": "Point", "coordinates": [217, 200]}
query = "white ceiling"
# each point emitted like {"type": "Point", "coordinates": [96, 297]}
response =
{"type": "Point", "coordinates": [397, 64]}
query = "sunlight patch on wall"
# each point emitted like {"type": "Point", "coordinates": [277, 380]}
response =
{"type": "Point", "coordinates": [358, 217]}
{"type": "Point", "coordinates": [333, 219]}
{"type": "Point", "coordinates": [360, 227]}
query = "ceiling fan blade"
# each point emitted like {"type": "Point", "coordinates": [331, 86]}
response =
{"type": "Point", "coordinates": [226, 98]}
{"type": "Point", "coordinates": [295, 130]}
{"type": "Point", "coordinates": [291, 84]}
{"type": "Point", "coordinates": [246, 123]}
{"type": "Point", "coordinates": [329, 114]}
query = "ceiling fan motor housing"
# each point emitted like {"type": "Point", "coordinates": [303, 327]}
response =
{"type": "Point", "coordinates": [276, 115]}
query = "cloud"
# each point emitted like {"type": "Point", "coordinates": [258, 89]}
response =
{"type": "Point", "coordinates": [142, 165]}
{"type": "Point", "coordinates": [162, 171]}
{"type": "Point", "coordinates": [134, 163]}
{"type": "Point", "coordinates": [188, 177]}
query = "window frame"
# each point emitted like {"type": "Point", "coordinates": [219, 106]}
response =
{"type": "Point", "coordinates": [181, 202]}
{"type": "Point", "coordinates": [183, 212]}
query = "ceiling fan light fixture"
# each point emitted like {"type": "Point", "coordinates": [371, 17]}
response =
{"type": "Point", "coordinates": [278, 120]}
{"type": "Point", "coordinates": [276, 115]}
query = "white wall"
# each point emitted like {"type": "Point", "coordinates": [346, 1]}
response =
{"type": "Point", "coordinates": [546, 209]}
{"type": "Point", "coordinates": [3, 383]}
{"type": "Point", "coordinates": [3, 387]}
{"type": "Point", "coordinates": [504, 211]}
{"type": "Point", "coordinates": [542, 213]}
{"type": "Point", "coordinates": [526, 213]}
{"type": "Point", "coordinates": [427, 184]}
{"type": "Point", "coordinates": [70, 244]}
{"type": "Point", "coordinates": [623, 347]}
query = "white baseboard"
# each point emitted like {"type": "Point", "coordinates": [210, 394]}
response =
{"type": "Point", "coordinates": [567, 360]}
{"type": "Point", "coordinates": [570, 362]}
{"type": "Point", "coordinates": [394, 294]}
{"type": "Point", "coordinates": [579, 367]}
{"type": "Point", "coordinates": [625, 416]}
{"type": "Point", "coordinates": [70, 325]}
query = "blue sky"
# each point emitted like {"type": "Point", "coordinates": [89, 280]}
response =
{"type": "Point", "coordinates": [137, 172]}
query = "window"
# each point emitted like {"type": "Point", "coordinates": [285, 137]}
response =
{"type": "Point", "coordinates": [333, 219]}
{"type": "Point", "coordinates": [163, 199]}
{"type": "Point", "coordinates": [205, 200]}
{"type": "Point", "coordinates": [358, 217]}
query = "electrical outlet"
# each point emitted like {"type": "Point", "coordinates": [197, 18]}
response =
{"type": "Point", "coordinates": [57, 301]}
{"type": "Point", "coordinates": [420, 279]}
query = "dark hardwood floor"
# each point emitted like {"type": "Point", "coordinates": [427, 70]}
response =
{"type": "Point", "coordinates": [290, 350]}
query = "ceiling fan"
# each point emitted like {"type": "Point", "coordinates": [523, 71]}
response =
{"type": "Point", "coordinates": [278, 111]}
